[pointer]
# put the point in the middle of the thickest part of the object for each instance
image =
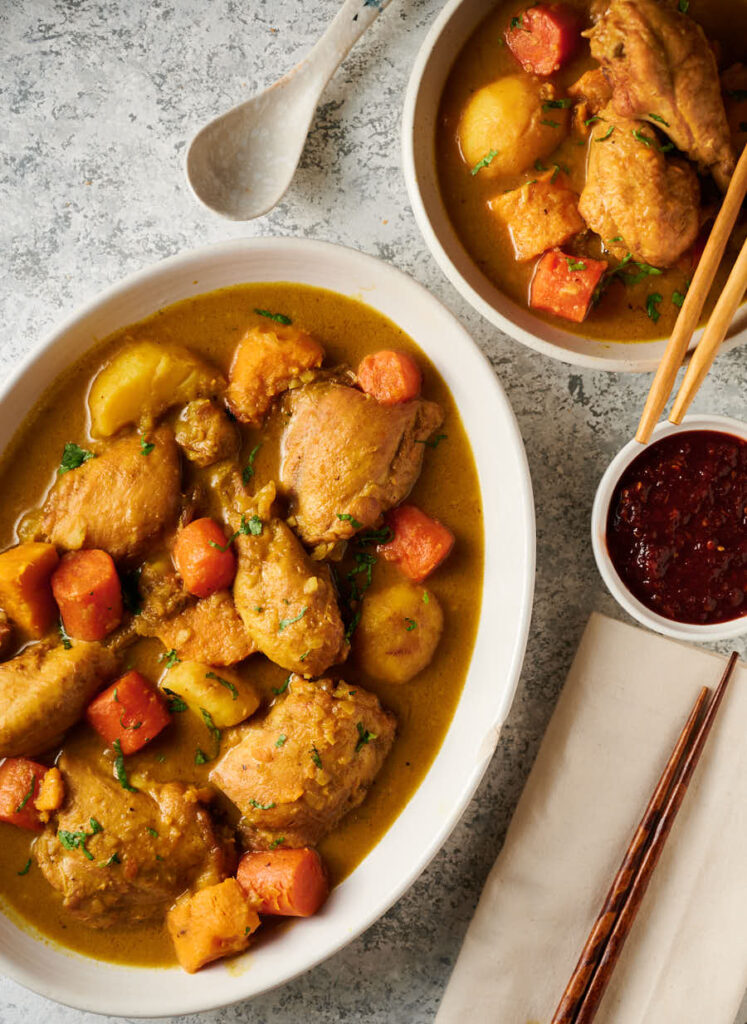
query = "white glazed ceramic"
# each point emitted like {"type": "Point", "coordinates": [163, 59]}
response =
{"type": "Point", "coordinates": [600, 509]}
{"type": "Point", "coordinates": [450, 31]}
{"type": "Point", "coordinates": [435, 808]}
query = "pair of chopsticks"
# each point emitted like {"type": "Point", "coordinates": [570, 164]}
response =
{"type": "Point", "coordinates": [689, 315]}
{"type": "Point", "coordinates": [601, 952]}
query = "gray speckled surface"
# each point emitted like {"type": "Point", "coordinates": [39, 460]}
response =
{"type": "Point", "coordinates": [100, 98]}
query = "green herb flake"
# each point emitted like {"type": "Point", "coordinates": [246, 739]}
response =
{"type": "Point", "coordinates": [146, 446]}
{"type": "Point", "coordinates": [201, 757]}
{"type": "Point", "coordinates": [591, 120]}
{"type": "Point", "coordinates": [602, 138]}
{"type": "Point", "coordinates": [281, 689]}
{"type": "Point", "coordinates": [645, 139]}
{"type": "Point", "coordinates": [281, 740]}
{"type": "Point", "coordinates": [279, 318]}
{"type": "Point", "coordinates": [114, 859]}
{"type": "Point", "coordinates": [683, 6]}
{"type": "Point", "coordinates": [212, 728]}
{"type": "Point", "coordinates": [612, 241]}
{"type": "Point", "coordinates": [119, 768]}
{"type": "Point", "coordinates": [224, 682]}
{"type": "Point", "coordinates": [434, 442]}
{"type": "Point", "coordinates": [656, 117]}
{"type": "Point", "coordinates": [364, 736]}
{"type": "Point", "coordinates": [411, 624]}
{"type": "Point", "coordinates": [152, 832]}
{"type": "Point", "coordinates": [678, 299]}
{"type": "Point", "coordinates": [575, 264]}
{"type": "Point", "coordinates": [76, 841]}
{"type": "Point", "coordinates": [652, 301]}
{"type": "Point", "coordinates": [315, 757]}
{"type": "Point", "coordinates": [73, 456]}
{"type": "Point", "coordinates": [276, 842]}
{"type": "Point", "coordinates": [171, 658]}
{"type": "Point", "coordinates": [248, 471]}
{"type": "Point", "coordinates": [25, 869]}
{"type": "Point", "coordinates": [175, 704]}
{"type": "Point", "coordinates": [28, 796]}
{"type": "Point", "coordinates": [284, 623]}
{"type": "Point", "coordinates": [95, 826]}
{"type": "Point", "coordinates": [515, 22]}
{"type": "Point", "coordinates": [539, 166]}
{"type": "Point", "coordinates": [262, 807]}
{"type": "Point", "coordinates": [426, 597]}
{"type": "Point", "coordinates": [67, 643]}
{"type": "Point", "coordinates": [550, 123]}
{"type": "Point", "coordinates": [557, 104]}
{"type": "Point", "coordinates": [305, 655]}
{"type": "Point", "coordinates": [252, 526]}
{"type": "Point", "coordinates": [345, 517]}
{"type": "Point", "coordinates": [382, 536]}
{"type": "Point", "coordinates": [485, 162]}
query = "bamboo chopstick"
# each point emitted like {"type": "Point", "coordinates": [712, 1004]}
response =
{"type": "Point", "coordinates": [713, 335]}
{"type": "Point", "coordinates": [584, 969]}
{"type": "Point", "coordinates": [692, 307]}
{"type": "Point", "coordinates": [686, 755]}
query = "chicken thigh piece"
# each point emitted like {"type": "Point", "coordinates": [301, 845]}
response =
{"type": "Point", "coordinates": [44, 691]}
{"type": "Point", "coordinates": [336, 740]}
{"type": "Point", "coordinates": [145, 846]}
{"type": "Point", "coordinates": [347, 458]}
{"type": "Point", "coordinates": [662, 69]}
{"type": "Point", "coordinates": [636, 200]}
{"type": "Point", "coordinates": [118, 500]}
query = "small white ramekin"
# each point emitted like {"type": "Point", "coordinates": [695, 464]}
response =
{"type": "Point", "coordinates": [669, 627]}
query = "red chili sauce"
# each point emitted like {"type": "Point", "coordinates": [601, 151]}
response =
{"type": "Point", "coordinates": [677, 527]}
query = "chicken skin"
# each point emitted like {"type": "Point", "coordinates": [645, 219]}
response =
{"type": "Point", "coordinates": [117, 501]}
{"type": "Point", "coordinates": [347, 458]}
{"type": "Point", "coordinates": [44, 690]}
{"type": "Point", "coordinates": [635, 199]}
{"type": "Point", "coordinates": [146, 847]}
{"type": "Point", "coordinates": [336, 740]}
{"type": "Point", "coordinates": [662, 69]}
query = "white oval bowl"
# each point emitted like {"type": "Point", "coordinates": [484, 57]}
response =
{"type": "Point", "coordinates": [669, 627]}
{"type": "Point", "coordinates": [447, 36]}
{"type": "Point", "coordinates": [425, 823]}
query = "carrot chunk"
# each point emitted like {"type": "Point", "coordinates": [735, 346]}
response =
{"type": "Point", "coordinates": [203, 557]}
{"type": "Point", "coordinates": [544, 38]}
{"type": "Point", "coordinates": [25, 591]}
{"type": "Point", "coordinates": [87, 589]}
{"type": "Point", "coordinates": [20, 781]}
{"type": "Point", "coordinates": [391, 377]}
{"type": "Point", "coordinates": [292, 883]}
{"type": "Point", "coordinates": [130, 711]}
{"type": "Point", "coordinates": [211, 923]}
{"type": "Point", "coordinates": [419, 544]}
{"type": "Point", "coordinates": [564, 285]}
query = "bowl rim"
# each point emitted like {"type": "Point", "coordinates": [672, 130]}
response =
{"type": "Point", "coordinates": [688, 631]}
{"type": "Point", "coordinates": [630, 363]}
{"type": "Point", "coordinates": [391, 279]}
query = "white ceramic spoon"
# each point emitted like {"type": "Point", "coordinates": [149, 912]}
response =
{"type": "Point", "coordinates": [241, 164]}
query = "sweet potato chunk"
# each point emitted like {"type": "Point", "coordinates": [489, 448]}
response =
{"type": "Point", "coordinates": [211, 923]}
{"type": "Point", "coordinates": [25, 588]}
{"type": "Point", "coordinates": [268, 359]}
{"type": "Point", "coordinates": [51, 793]}
{"type": "Point", "coordinates": [539, 216]}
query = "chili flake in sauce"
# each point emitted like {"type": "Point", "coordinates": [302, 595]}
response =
{"type": "Point", "coordinates": [677, 527]}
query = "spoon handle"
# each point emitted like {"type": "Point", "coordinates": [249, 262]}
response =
{"type": "Point", "coordinates": [348, 25]}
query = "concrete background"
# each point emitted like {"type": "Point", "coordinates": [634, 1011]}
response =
{"type": "Point", "coordinates": [99, 100]}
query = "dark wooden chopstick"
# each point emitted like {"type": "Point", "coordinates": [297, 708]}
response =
{"type": "Point", "coordinates": [601, 952]}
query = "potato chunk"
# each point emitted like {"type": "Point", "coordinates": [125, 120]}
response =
{"type": "Point", "coordinates": [25, 588]}
{"type": "Point", "coordinates": [398, 632]}
{"type": "Point", "coordinates": [143, 380]}
{"type": "Point", "coordinates": [507, 119]}
{"type": "Point", "coordinates": [538, 216]}
{"type": "Point", "coordinates": [224, 694]}
{"type": "Point", "coordinates": [214, 922]}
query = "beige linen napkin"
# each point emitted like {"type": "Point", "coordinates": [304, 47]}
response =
{"type": "Point", "coordinates": [626, 699]}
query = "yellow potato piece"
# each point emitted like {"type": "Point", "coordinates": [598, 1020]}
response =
{"type": "Point", "coordinates": [145, 379]}
{"type": "Point", "coordinates": [227, 697]}
{"type": "Point", "coordinates": [398, 632]}
{"type": "Point", "coordinates": [506, 118]}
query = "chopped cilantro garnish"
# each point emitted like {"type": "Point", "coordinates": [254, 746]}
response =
{"type": "Point", "coordinates": [556, 104]}
{"type": "Point", "coordinates": [276, 842]}
{"type": "Point", "coordinates": [364, 736]}
{"type": "Point", "coordinates": [114, 859]}
{"type": "Point", "coordinates": [213, 729]}
{"type": "Point", "coordinates": [73, 456]}
{"type": "Point", "coordinates": [25, 869]}
{"type": "Point", "coordinates": [645, 139]}
{"type": "Point", "coordinates": [485, 162]}
{"type": "Point", "coordinates": [575, 264]}
{"type": "Point", "coordinates": [223, 682]}
{"type": "Point", "coordinates": [119, 768]}
{"type": "Point", "coordinates": [592, 120]}
{"type": "Point", "coordinates": [78, 840]}
{"type": "Point", "coordinates": [66, 641]}
{"type": "Point", "coordinates": [305, 655]}
{"type": "Point", "coordinates": [617, 238]}
{"type": "Point", "coordinates": [201, 757]}
{"type": "Point", "coordinates": [434, 442]}
{"type": "Point", "coordinates": [683, 6]}
{"type": "Point", "coordinates": [248, 471]}
{"type": "Point", "coordinates": [656, 117]}
{"type": "Point", "coordinates": [601, 138]}
{"type": "Point", "coordinates": [262, 807]}
{"type": "Point", "coordinates": [171, 658]}
{"type": "Point", "coordinates": [281, 740]}
{"type": "Point", "coordinates": [426, 597]}
{"type": "Point", "coordinates": [347, 518]}
{"type": "Point", "coordinates": [146, 446]}
{"type": "Point", "coordinates": [652, 302]}
{"type": "Point", "coordinates": [550, 123]}
{"type": "Point", "coordinates": [280, 318]}
{"type": "Point", "coordinates": [28, 796]}
{"type": "Point", "coordinates": [411, 624]}
{"type": "Point", "coordinates": [315, 757]}
{"type": "Point", "coordinates": [284, 623]}
{"type": "Point", "coordinates": [281, 689]}
{"type": "Point", "coordinates": [516, 22]}
{"type": "Point", "coordinates": [152, 832]}
{"type": "Point", "coordinates": [175, 702]}
{"type": "Point", "coordinates": [678, 299]}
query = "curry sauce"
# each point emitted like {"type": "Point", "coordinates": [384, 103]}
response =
{"type": "Point", "coordinates": [448, 488]}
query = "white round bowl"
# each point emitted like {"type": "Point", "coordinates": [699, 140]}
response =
{"type": "Point", "coordinates": [449, 33]}
{"type": "Point", "coordinates": [600, 510]}
{"type": "Point", "coordinates": [425, 823]}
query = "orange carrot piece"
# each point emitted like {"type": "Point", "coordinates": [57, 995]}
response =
{"type": "Point", "coordinates": [292, 883]}
{"type": "Point", "coordinates": [20, 780]}
{"type": "Point", "coordinates": [390, 377]}
{"type": "Point", "coordinates": [419, 544]}
{"type": "Point", "coordinates": [564, 285]}
{"type": "Point", "coordinates": [544, 38]}
{"type": "Point", "coordinates": [130, 710]}
{"type": "Point", "coordinates": [211, 923]}
{"type": "Point", "coordinates": [25, 591]}
{"type": "Point", "coordinates": [203, 557]}
{"type": "Point", "coordinates": [87, 589]}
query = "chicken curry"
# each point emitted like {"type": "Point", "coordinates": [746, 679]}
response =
{"type": "Point", "coordinates": [582, 149]}
{"type": "Point", "coordinates": [240, 579]}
